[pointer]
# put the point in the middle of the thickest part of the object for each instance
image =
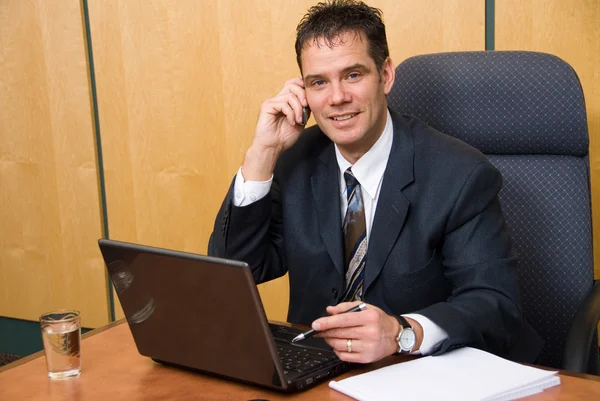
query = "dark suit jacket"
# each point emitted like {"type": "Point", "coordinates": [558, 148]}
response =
{"type": "Point", "coordinates": [438, 246]}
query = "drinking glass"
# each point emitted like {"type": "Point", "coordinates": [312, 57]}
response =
{"type": "Point", "coordinates": [61, 334]}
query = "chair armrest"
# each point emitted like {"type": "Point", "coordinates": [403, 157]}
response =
{"type": "Point", "coordinates": [582, 331]}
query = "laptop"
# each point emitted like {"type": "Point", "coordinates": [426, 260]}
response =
{"type": "Point", "coordinates": [204, 313]}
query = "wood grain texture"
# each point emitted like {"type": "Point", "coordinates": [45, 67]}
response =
{"type": "Point", "coordinates": [180, 85]}
{"type": "Point", "coordinates": [49, 204]}
{"type": "Point", "coordinates": [421, 27]}
{"type": "Point", "coordinates": [571, 31]}
{"type": "Point", "coordinates": [112, 369]}
{"type": "Point", "coordinates": [158, 73]}
{"type": "Point", "coordinates": [159, 94]}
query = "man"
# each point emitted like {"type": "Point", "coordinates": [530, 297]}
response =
{"type": "Point", "coordinates": [370, 206]}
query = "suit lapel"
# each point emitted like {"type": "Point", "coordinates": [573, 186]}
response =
{"type": "Point", "coordinates": [392, 206]}
{"type": "Point", "coordinates": [326, 195]}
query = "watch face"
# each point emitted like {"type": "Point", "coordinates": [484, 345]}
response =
{"type": "Point", "coordinates": [407, 339]}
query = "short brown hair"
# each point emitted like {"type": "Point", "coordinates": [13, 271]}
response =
{"type": "Point", "coordinates": [329, 20]}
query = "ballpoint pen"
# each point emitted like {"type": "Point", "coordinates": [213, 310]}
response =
{"type": "Point", "coordinates": [312, 332]}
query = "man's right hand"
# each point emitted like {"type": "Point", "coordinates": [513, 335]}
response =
{"type": "Point", "coordinates": [278, 128]}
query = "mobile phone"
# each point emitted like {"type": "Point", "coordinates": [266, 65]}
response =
{"type": "Point", "coordinates": [305, 115]}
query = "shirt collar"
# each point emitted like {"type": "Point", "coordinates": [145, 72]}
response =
{"type": "Point", "coordinates": [369, 169]}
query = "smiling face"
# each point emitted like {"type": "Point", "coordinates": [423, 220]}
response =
{"type": "Point", "coordinates": [346, 92]}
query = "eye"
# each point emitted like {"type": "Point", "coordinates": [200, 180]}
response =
{"type": "Point", "coordinates": [353, 75]}
{"type": "Point", "coordinates": [318, 82]}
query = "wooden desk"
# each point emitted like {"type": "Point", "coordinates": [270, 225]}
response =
{"type": "Point", "coordinates": [112, 369]}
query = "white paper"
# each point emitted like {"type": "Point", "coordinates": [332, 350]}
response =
{"type": "Point", "coordinates": [465, 374]}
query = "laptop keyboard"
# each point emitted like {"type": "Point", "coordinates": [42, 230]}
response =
{"type": "Point", "coordinates": [299, 359]}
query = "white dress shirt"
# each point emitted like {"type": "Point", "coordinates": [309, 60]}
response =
{"type": "Point", "coordinates": [368, 170]}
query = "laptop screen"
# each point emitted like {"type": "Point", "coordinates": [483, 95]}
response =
{"type": "Point", "coordinates": [193, 311]}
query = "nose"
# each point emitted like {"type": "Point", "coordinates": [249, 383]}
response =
{"type": "Point", "coordinates": [339, 94]}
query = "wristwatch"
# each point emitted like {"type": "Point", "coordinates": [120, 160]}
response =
{"type": "Point", "coordinates": [406, 338]}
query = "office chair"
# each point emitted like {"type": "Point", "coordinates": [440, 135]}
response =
{"type": "Point", "coordinates": [526, 112]}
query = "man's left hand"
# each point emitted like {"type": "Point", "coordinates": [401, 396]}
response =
{"type": "Point", "coordinates": [363, 337]}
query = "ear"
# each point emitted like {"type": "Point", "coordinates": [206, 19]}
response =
{"type": "Point", "coordinates": [388, 75]}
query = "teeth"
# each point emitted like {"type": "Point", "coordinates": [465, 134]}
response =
{"type": "Point", "coordinates": [342, 118]}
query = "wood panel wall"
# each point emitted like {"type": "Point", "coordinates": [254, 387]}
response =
{"type": "Point", "coordinates": [49, 205]}
{"type": "Point", "coordinates": [179, 86]}
{"type": "Point", "coordinates": [571, 31]}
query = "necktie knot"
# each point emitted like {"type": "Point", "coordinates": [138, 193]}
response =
{"type": "Point", "coordinates": [351, 182]}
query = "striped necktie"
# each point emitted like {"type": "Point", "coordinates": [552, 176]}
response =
{"type": "Point", "coordinates": [355, 240]}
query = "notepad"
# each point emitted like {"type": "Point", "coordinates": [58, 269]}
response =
{"type": "Point", "coordinates": [465, 374]}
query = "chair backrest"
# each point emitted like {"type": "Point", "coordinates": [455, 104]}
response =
{"type": "Point", "coordinates": [526, 112]}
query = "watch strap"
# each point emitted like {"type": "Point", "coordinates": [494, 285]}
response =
{"type": "Point", "coordinates": [403, 322]}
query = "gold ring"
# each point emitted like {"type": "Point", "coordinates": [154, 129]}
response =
{"type": "Point", "coordinates": [349, 345]}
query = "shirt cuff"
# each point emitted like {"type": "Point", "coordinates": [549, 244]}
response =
{"type": "Point", "coordinates": [432, 334]}
{"type": "Point", "coordinates": [247, 192]}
